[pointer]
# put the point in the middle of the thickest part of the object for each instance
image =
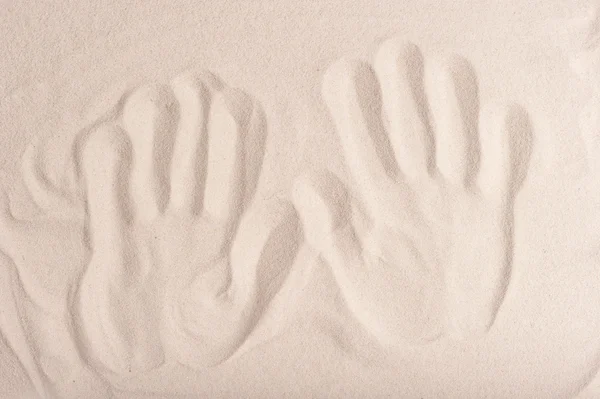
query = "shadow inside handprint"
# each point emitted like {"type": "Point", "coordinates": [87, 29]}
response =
{"type": "Point", "coordinates": [176, 248]}
{"type": "Point", "coordinates": [438, 181]}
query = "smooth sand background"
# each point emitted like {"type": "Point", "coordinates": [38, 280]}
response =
{"type": "Point", "coordinates": [64, 62]}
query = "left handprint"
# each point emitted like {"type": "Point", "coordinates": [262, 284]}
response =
{"type": "Point", "coordinates": [176, 247]}
{"type": "Point", "coordinates": [158, 254]}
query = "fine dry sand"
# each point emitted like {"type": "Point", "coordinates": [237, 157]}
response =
{"type": "Point", "coordinates": [267, 199]}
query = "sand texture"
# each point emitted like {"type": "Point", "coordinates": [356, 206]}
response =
{"type": "Point", "coordinates": [199, 208]}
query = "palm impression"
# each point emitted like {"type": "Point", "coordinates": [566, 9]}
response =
{"type": "Point", "coordinates": [173, 271]}
{"type": "Point", "coordinates": [175, 247]}
{"type": "Point", "coordinates": [437, 181]}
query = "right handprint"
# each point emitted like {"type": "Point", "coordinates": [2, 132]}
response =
{"type": "Point", "coordinates": [437, 180]}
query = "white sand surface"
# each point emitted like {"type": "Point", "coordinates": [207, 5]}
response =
{"type": "Point", "coordinates": [299, 199]}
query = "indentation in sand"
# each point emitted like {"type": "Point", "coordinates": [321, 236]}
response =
{"type": "Point", "coordinates": [172, 274]}
{"type": "Point", "coordinates": [155, 254]}
{"type": "Point", "coordinates": [438, 179]}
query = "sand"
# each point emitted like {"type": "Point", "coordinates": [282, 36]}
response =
{"type": "Point", "coordinates": [319, 200]}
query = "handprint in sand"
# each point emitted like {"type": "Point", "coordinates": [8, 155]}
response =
{"type": "Point", "coordinates": [159, 253]}
{"type": "Point", "coordinates": [175, 248]}
{"type": "Point", "coordinates": [437, 182]}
